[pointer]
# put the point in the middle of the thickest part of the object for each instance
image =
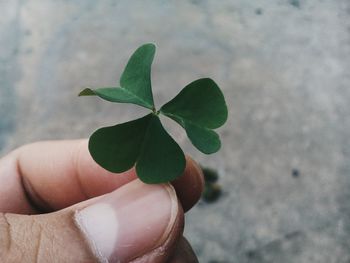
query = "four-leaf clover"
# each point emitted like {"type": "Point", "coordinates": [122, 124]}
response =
{"type": "Point", "coordinates": [144, 143]}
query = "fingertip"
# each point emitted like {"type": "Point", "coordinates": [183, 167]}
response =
{"type": "Point", "coordinates": [198, 172]}
{"type": "Point", "coordinates": [190, 185]}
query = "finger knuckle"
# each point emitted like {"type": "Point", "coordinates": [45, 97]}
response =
{"type": "Point", "coordinates": [22, 239]}
{"type": "Point", "coordinates": [8, 248]}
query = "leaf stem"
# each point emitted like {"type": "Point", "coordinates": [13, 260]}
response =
{"type": "Point", "coordinates": [155, 112]}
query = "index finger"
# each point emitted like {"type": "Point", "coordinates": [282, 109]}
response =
{"type": "Point", "coordinates": [52, 175]}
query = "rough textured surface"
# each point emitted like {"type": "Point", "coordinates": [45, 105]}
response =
{"type": "Point", "coordinates": [284, 67]}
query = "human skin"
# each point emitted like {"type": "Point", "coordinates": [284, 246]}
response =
{"type": "Point", "coordinates": [58, 205]}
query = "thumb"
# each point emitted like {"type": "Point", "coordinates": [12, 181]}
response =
{"type": "Point", "coordinates": [136, 223]}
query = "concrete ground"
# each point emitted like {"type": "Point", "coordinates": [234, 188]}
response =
{"type": "Point", "coordinates": [284, 68]}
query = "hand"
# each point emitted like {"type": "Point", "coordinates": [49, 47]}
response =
{"type": "Point", "coordinates": [58, 205]}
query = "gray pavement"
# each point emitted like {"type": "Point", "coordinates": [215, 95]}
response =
{"type": "Point", "coordinates": [284, 68]}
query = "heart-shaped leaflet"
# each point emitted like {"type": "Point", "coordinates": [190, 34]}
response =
{"type": "Point", "coordinates": [135, 82]}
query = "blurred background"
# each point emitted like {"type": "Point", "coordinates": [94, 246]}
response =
{"type": "Point", "coordinates": [283, 66]}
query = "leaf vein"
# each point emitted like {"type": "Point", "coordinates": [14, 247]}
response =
{"type": "Point", "coordinates": [135, 96]}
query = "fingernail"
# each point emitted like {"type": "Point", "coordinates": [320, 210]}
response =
{"type": "Point", "coordinates": [129, 222]}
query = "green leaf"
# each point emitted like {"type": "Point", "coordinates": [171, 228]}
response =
{"type": "Point", "coordinates": [160, 150]}
{"type": "Point", "coordinates": [206, 139]}
{"type": "Point", "coordinates": [137, 74]}
{"type": "Point", "coordinates": [200, 102]}
{"type": "Point", "coordinates": [135, 82]}
{"type": "Point", "coordinates": [113, 95]}
{"type": "Point", "coordinates": [199, 108]}
{"type": "Point", "coordinates": [143, 142]}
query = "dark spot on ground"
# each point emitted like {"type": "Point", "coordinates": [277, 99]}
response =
{"type": "Point", "coordinates": [258, 11]}
{"type": "Point", "coordinates": [295, 173]}
{"type": "Point", "coordinates": [212, 190]}
{"type": "Point", "coordinates": [251, 254]}
{"type": "Point", "coordinates": [210, 175]}
{"type": "Point", "coordinates": [295, 3]}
